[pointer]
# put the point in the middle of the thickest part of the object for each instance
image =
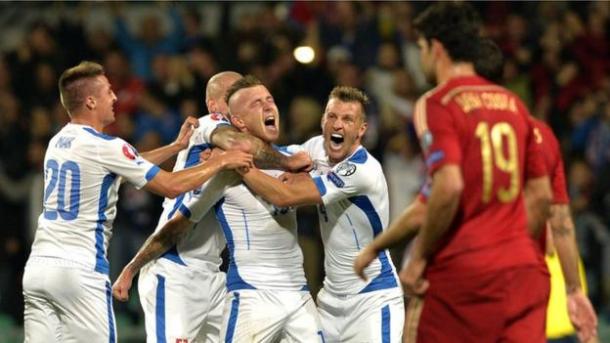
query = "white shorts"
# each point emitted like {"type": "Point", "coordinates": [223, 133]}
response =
{"type": "Point", "coordinates": [180, 303]}
{"type": "Point", "coordinates": [369, 317]}
{"type": "Point", "coordinates": [270, 316]}
{"type": "Point", "coordinates": [65, 302]}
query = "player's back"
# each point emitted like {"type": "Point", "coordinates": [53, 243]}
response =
{"type": "Point", "coordinates": [485, 130]}
{"type": "Point", "coordinates": [80, 194]}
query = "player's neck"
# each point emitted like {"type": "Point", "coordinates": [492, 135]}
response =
{"type": "Point", "coordinates": [83, 120]}
{"type": "Point", "coordinates": [453, 70]}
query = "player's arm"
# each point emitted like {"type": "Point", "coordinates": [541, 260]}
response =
{"type": "Point", "coordinates": [302, 191]}
{"type": "Point", "coordinates": [171, 185]}
{"type": "Point", "coordinates": [538, 197]}
{"type": "Point", "coordinates": [160, 155]}
{"type": "Point", "coordinates": [405, 227]}
{"type": "Point", "coordinates": [228, 137]}
{"type": "Point", "coordinates": [443, 202]}
{"type": "Point", "coordinates": [581, 312]}
{"type": "Point", "coordinates": [562, 229]}
{"type": "Point", "coordinates": [156, 245]}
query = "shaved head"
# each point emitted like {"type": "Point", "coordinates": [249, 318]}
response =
{"type": "Point", "coordinates": [217, 88]}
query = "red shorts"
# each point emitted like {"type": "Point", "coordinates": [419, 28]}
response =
{"type": "Point", "coordinates": [507, 305]}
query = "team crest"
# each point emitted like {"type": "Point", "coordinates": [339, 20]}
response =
{"type": "Point", "coordinates": [129, 151]}
{"type": "Point", "coordinates": [346, 169]}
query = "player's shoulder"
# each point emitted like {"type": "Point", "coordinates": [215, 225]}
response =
{"type": "Point", "coordinates": [213, 119]}
{"type": "Point", "coordinates": [314, 146]}
{"type": "Point", "coordinates": [361, 163]}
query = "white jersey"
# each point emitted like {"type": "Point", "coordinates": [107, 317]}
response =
{"type": "Point", "coordinates": [264, 252]}
{"type": "Point", "coordinates": [355, 209]}
{"type": "Point", "coordinates": [204, 242]}
{"type": "Point", "coordinates": [82, 172]}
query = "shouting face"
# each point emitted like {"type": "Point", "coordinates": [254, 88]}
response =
{"type": "Point", "coordinates": [343, 126]}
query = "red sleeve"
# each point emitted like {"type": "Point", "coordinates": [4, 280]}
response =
{"type": "Point", "coordinates": [560, 193]}
{"type": "Point", "coordinates": [439, 137]}
{"type": "Point", "coordinates": [535, 166]}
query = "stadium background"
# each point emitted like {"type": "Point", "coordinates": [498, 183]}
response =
{"type": "Point", "coordinates": [159, 56]}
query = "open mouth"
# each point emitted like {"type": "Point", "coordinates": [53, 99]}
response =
{"type": "Point", "coordinates": [270, 122]}
{"type": "Point", "coordinates": [336, 140]}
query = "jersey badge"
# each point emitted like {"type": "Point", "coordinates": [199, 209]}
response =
{"type": "Point", "coordinates": [129, 151]}
{"type": "Point", "coordinates": [346, 169]}
{"type": "Point", "coordinates": [426, 140]}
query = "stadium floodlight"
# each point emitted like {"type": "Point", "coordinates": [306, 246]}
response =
{"type": "Point", "coordinates": [304, 54]}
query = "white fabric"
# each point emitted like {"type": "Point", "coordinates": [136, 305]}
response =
{"type": "Point", "coordinates": [355, 210]}
{"type": "Point", "coordinates": [81, 184]}
{"type": "Point", "coordinates": [369, 317]}
{"type": "Point", "coordinates": [181, 302]}
{"type": "Point", "coordinates": [66, 302]}
{"type": "Point", "coordinates": [270, 316]}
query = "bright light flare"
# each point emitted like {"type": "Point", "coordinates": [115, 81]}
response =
{"type": "Point", "coordinates": [304, 54]}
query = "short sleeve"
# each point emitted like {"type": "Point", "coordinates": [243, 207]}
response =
{"type": "Point", "coordinates": [209, 123]}
{"type": "Point", "coordinates": [535, 166]}
{"type": "Point", "coordinates": [558, 181]}
{"type": "Point", "coordinates": [198, 202]}
{"type": "Point", "coordinates": [343, 181]}
{"type": "Point", "coordinates": [122, 159]}
{"type": "Point", "coordinates": [438, 135]}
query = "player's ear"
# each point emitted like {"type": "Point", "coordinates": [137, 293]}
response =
{"type": "Point", "coordinates": [90, 102]}
{"type": "Point", "coordinates": [237, 122]}
{"type": "Point", "coordinates": [362, 130]}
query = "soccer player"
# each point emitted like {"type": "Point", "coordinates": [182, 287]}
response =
{"type": "Point", "coordinates": [350, 190]}
{"type": "Point", "coordinates": [473, 264]}
{"type": "Point", "coordinates": [174, 310]}
{"type": "Point", "coordinates": [559, 237]}
{"type": "Point", "coordinates": [66, 287]}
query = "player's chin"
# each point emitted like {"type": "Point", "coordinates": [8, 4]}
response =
{"type": "Point", "coordinates": [272, 134]}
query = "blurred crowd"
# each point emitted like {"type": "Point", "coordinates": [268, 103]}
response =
{"type": "Point", "coordinates": [159, 56]}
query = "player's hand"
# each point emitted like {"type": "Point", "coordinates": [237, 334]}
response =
{"type": "Point", "coordinates": [120, 289]}
{"type": "Point", "coordinates": [205, 155]}
{"type": "Point", "coordinates": [299, 162]}
{"type": "Point", "coordinates": [412, 277]}
{"type": "Point", "coordinates": [233, 159]}
{"type": "Point", "coordinates": [582, 315]}
{"type": "Point", "coordinates": [363, 260]}
{"type": "Point", "coordinates": [186, 131]}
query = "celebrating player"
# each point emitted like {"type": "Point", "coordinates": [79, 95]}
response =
{"type": "Point", "coordinates": [350, 190]}
{"type": "Point", "coordinates": [66, 286]}
{"type": "Point", "coordinates": [192, 254]}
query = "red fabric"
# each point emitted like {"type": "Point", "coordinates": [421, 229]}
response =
{"type": "Point", "coordinates": [491, 234]}
{"type": "Point", "coordinates": [507, 305]}
{"type": "Point", "coordinates": [553, 161]}
{"type": "Point", "coordinates": [554, 164]}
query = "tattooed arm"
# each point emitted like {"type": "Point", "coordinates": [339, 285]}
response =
{"type": "Point", "coordinates": [581, 312]}
{"type": "Point", "coordinates": [156, 244]}
{"type": "Point", "coordinates": [265, 156]}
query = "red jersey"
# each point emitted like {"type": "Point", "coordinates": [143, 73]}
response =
{"type": "Point", "coordinates": [484, 129]}
{"type": "Point", "coordinates": [551, 151]}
